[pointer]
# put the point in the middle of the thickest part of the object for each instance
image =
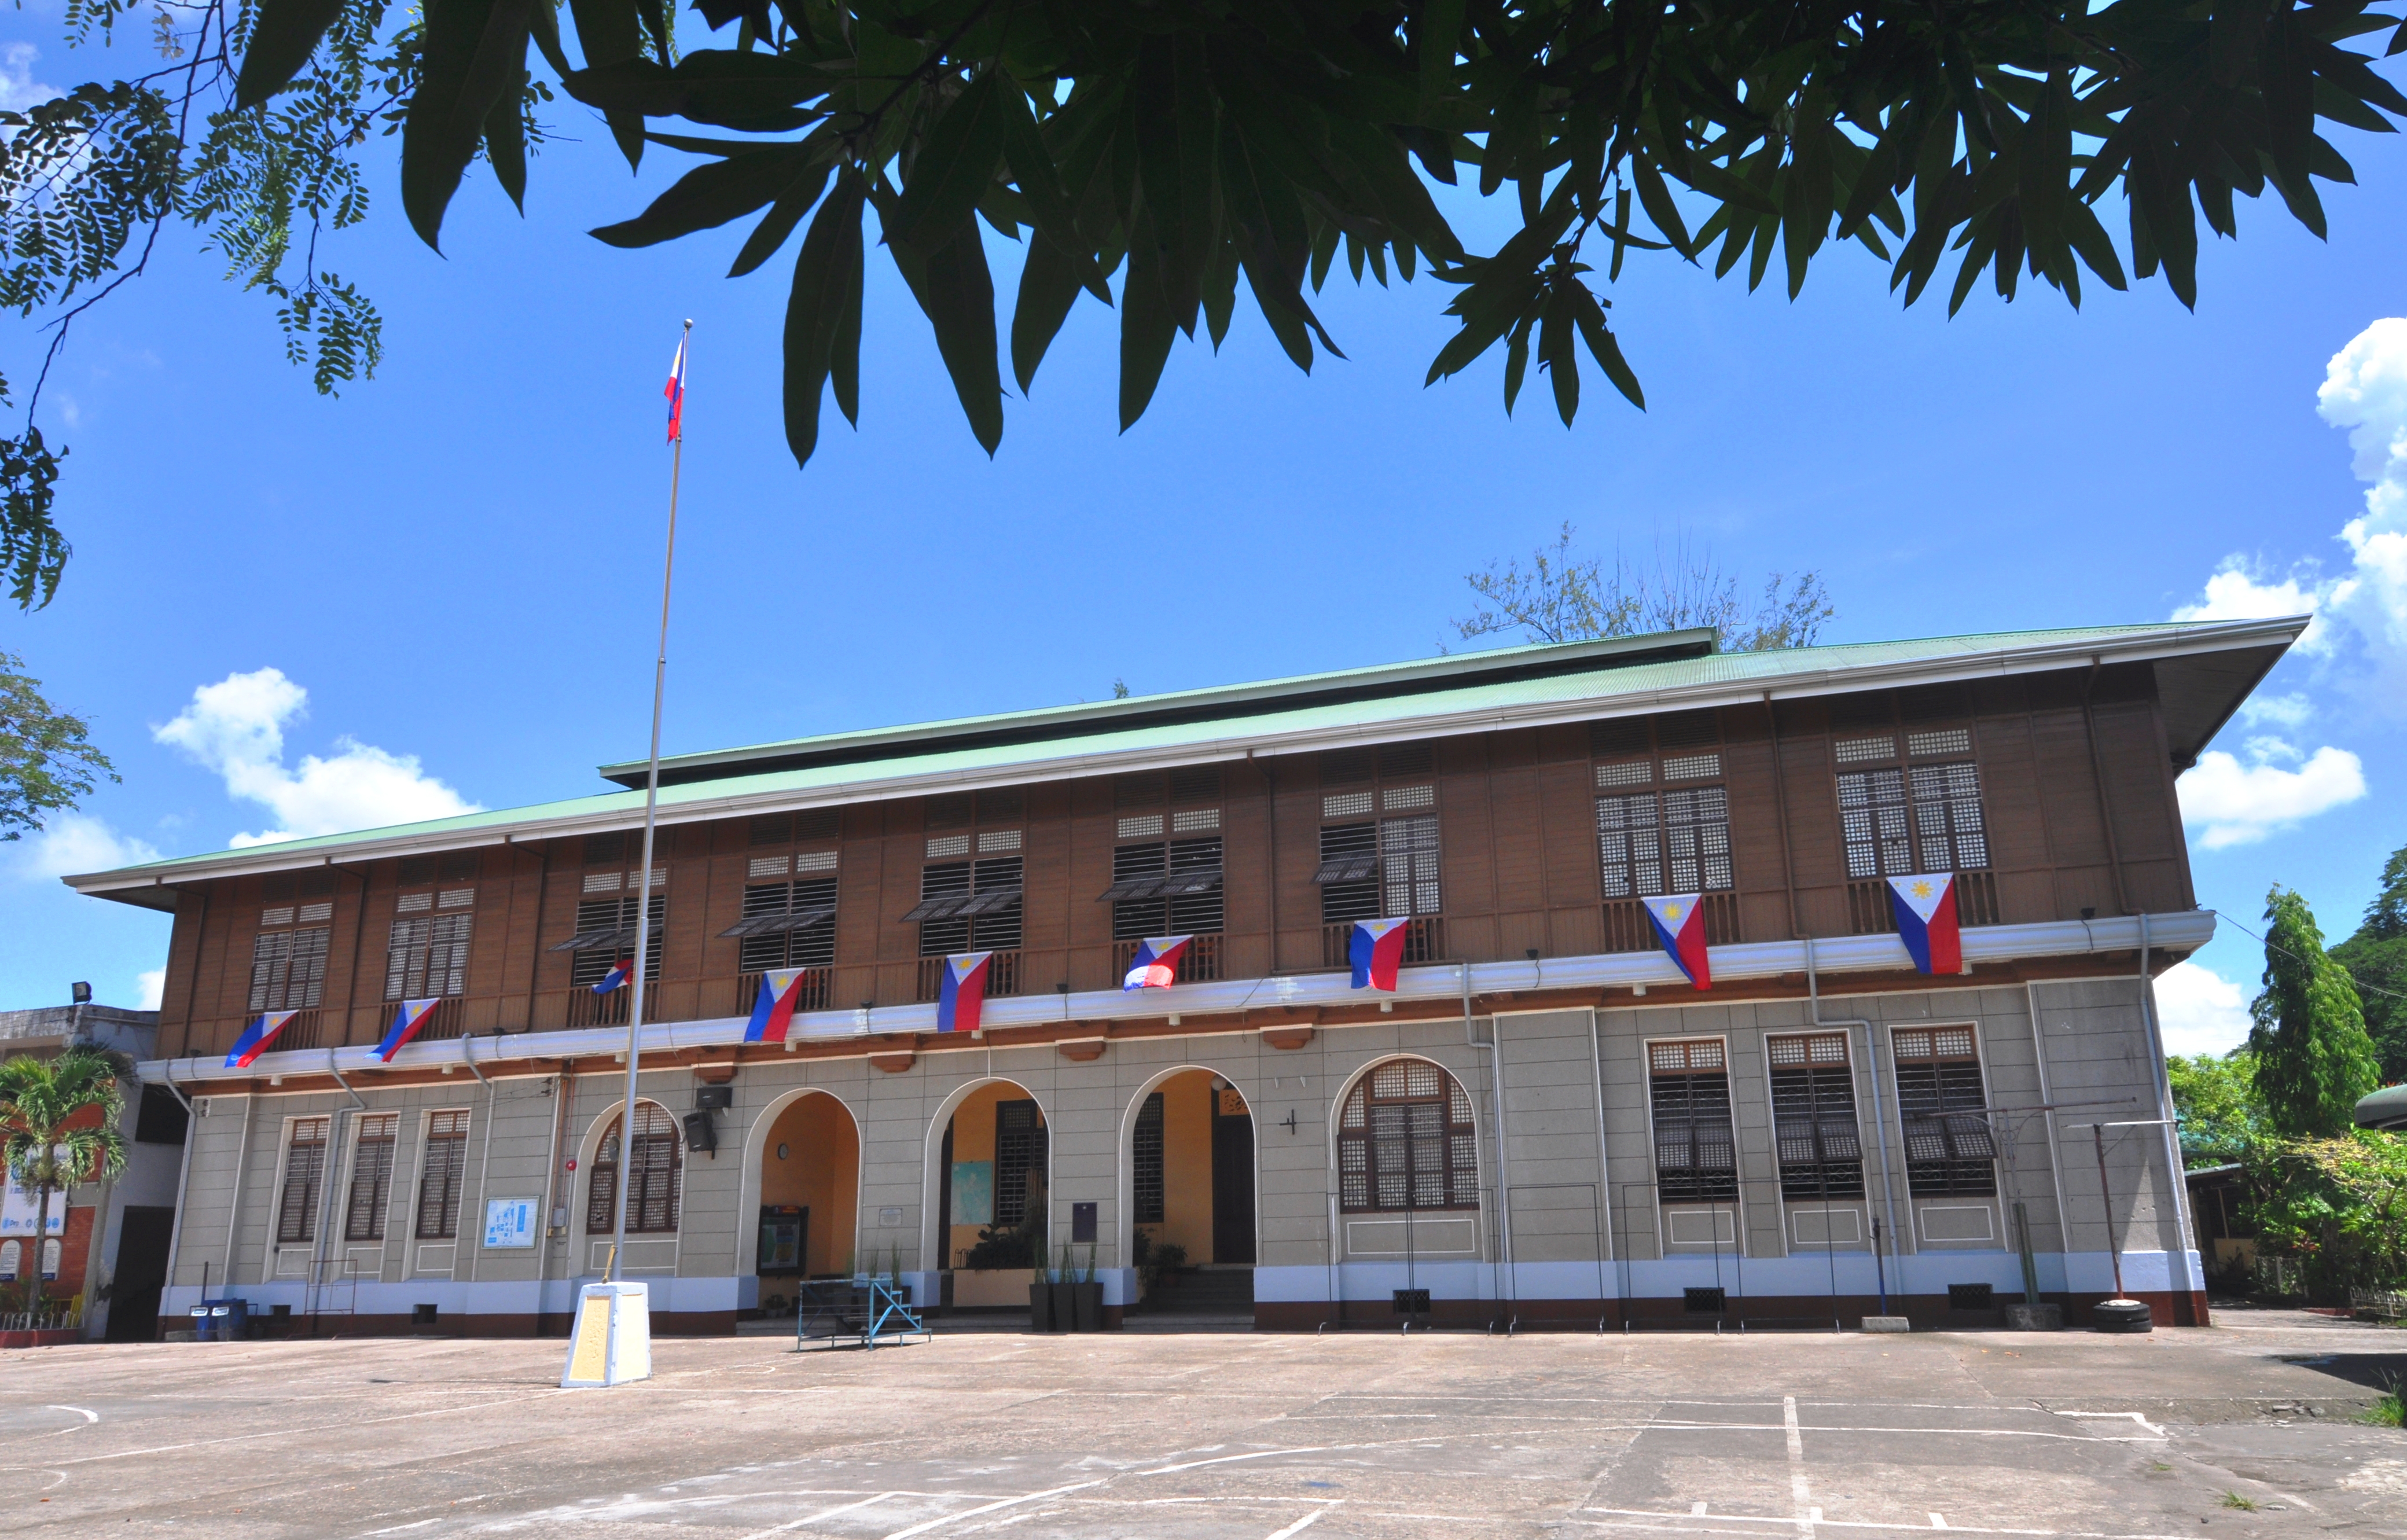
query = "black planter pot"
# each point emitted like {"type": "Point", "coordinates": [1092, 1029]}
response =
{"type": "Point", "coordinates": [1065, 1308]}
{"type": "Point", "coordinates": [1040, 1306]}
{"type": "Point", "coordinates": [1089, 1312]}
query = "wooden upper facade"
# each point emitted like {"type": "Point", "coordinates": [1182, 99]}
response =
{"type": "Point", "coordinates": [2049, 790]}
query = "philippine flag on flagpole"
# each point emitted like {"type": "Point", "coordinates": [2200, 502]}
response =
{"type": "Point", "coordinates": [616, 977]}
{"type": "Point", "coordinates": [963, 995]}
{"type": "Point", "coordinates": [1377, 948]}
{"type": "Point", "coordinates": [773, 1012]}
{"type": "Point", "coordinates": [675, 392]}
{"type": "Point", "coordinates": [1925, 907]}
{"type": "Point", "coordinates": [1680, 924]}
{"type": "Point", "coordinates": [1156, 964]}
{"type": "Point", "coordinates": [256, 1036]}
{"type": "Point", "coordinates": [406, 1022]}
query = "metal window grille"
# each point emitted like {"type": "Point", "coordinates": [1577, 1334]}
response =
{"type": "Point", "coordinates": [1951, 833]}
{"type": "Point", "coordinates": [810, 945]}
{"type": "Point", "coordinates": [1019, 1161]}
{"type": "Point", "coordinates": [606, 932]}
{"type": "Point", "coordinates": [288, 970]}
{"type": "Point", "coordinates": [1408, 864]}
{"type": "Point", "coordinates": [371, 1178]}
{"type": "Point", "coordinates": [428, 955]}
{"type": "Point", "coordinates": [655, 1161]}
{"type": "Point", "coordinates": [1696, 1157]}
{"type": "Point", "coordinates": [1950, 1152]}
{"type": "Point", "coordinates": [445, 1169]}
{"type": "Point", "coordinates": [1349, 880]}
{"type": "Point", "coordinates": [1814, 1117]}
{"type": "Point", "coordinates": [305, 1167]}
{"type": "Point", "coordinates": [1148, 1155]}
{"type": "Point", "coordinates": [1405, 1142]}
{"type": "Point", "coordinates": [1872, 822]}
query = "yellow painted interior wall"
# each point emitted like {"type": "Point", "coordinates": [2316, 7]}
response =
{"type": "Point", "coordinates": [822, 1172]}
{"type": "Point", "coordinates": [1186, 1166]}
{"type": "Point", "coordinates": [974, 1140]}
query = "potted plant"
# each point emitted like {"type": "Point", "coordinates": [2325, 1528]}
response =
{"type": "Point", "coordinates": [1088, 1296]}
{"type": "Point", "coordinates": [1066, 1295]}
{"type": "Point", "coordinates": [995, 1273]}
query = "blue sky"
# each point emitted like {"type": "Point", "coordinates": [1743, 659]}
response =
{"type": "Point", "coordinates": [454, 568]}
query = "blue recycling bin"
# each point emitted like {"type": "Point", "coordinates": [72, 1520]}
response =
{"type": "Point", "coordinates": [204, 1324]}
{"type": "Point", "coordinates": [231, 1319]}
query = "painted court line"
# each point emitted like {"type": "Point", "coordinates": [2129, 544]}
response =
{"type": "Point", "coordinates": [939, 1522]}
{"type": "Point", "coordinates": [1797, 1492]}
{"type": "Point", "coordinates": [1860, 1525]}
{"type": "Point", "coordinates": [824, 1513]}
{"type": "Point", "coordinates": [1300, 1525]}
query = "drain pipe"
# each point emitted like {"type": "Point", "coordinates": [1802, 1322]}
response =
{"type": "Point", "coordinates": [1880, 1131]}
{"type": "Point", "coordinates": [469, 1059]}
{"type": "Point", "coordinates": [1503, 1168]}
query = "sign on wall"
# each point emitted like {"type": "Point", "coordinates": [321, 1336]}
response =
{"type": "Point", "coordinates": [17, 1211]}
{"type": "Point", "coordinates": [510, 1223]}
{"type": "Point", "coordinates": [973, 1191]}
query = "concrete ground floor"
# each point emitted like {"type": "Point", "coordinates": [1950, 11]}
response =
{"type": "Point", "coordinates": [2241, 1430]}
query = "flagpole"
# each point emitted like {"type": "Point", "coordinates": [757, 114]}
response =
{"type": "Point", "coordinates": [644, 872]}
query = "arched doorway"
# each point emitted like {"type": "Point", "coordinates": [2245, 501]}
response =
{"type": "Point", "coordinates": [1188, 1183]}
{"type": "Point", "coordinates": [989, 1176]}
{"type": "Point", "coordinates": [810, 1194]}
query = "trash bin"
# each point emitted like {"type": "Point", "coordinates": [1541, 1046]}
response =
{"type": "Point", "coordinates": [204, 1324]}
{"type": "Point", "coordinates": [230, 1320]}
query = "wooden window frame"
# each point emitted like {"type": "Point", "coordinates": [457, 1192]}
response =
{"type": "Point", "coordinates": [1940, 1082]}
{"type": "Point", "coordinates": [411, 954]}
{"type": "Point", "coordinates": [1441, 1142]}
{"type": "Point", "coordinates": [440, 1193]}
{"type": "Point", "coordinates": [287, 967]}
{"type": "Point", "coordinates": [1706, 1147]}
{"type": "Point", "coordinates": [1019, 1150]}
{"type": "Point", "coordinates": [589, 966]}
{"type": "Point", "coordinates": [654, 1210]}
{"type": "Point", "coordinates": [1817, 1134]}
{"type": "Point", "coordinates": [1699, 813]}
{"type": "Point", "coordinates": [370, 1193]}
{"type": "Point", "coordinates": [294, 1227]}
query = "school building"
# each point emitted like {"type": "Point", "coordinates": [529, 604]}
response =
{"type": "Point", "coordinates": [1544, 1125]}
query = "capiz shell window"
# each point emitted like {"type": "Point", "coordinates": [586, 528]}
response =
{"type": "Point", "coordinates": [1405, 1142]}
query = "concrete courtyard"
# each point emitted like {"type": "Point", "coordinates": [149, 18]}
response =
{"type": "Point", "coordinates": [2243, 1429]}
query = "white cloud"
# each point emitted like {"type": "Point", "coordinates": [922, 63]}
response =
{"type": "Point", "coordinates": [73, 843]}
{"type": "Point", "coordinates": [151, 985]}
{"type": "Point", "coordinates": [236, 727]}
{"type": "Point", "coordinates": [2201, 1011]}
{"type": "Point", "coordinates": [2237, 592]}
{"type": "Point", "coordinates": [18, 88]}
{"type": "Point", "coordinates": [2365, 391]}
{"type": "Point", "coordinates": [2240, 804]}
{"type": "Point", "coordinates": [2292, 710]}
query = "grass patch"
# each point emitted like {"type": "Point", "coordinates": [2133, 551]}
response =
{"type": "Point", "coordinates": [2388, 1412]}
{"type": "Point", "coordinates": [2233, 1500]}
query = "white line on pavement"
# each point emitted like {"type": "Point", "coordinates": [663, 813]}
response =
{"type": "Point", "coordinates": [824, 1513]}
{"type": "Point", "coordinates": [972, 1513]}
{"type": "Point", "coordinates": [1798, 1493]}
{"type": "Point", "coordinates": [1227, 1459]}
{"type": "Point", "coordinates": [1860, 1524]}
{"type": "Point", "coordinates": [1302, 1524]}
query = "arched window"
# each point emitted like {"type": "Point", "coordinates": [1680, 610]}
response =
{"type": "Point", "coordinates": [658, 1155]}
{"type": "Point", "coordinates": [1405, 1141]}
{"type": "Point", "coordinates": [49, 1262]}
{"type": "Point", "coordinates": [12, 1257]}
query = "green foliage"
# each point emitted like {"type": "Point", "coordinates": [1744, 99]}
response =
{"type": "Point", "coordinates": [2376, 959]}
{"type": "Point", "coordinates": [58, 1126]}
{"type": "Point", "coordinates": [1019, 1246]}
{"type": "Point", "coordinates": [2389, 1410]}
{"type": "Point", "coordinates": [2216, 1100]}
{"type": "Point", "coordinates": [47, 763]}
{"type": "Point", "coordinates": [2340, 1206]}
{"type": "Point", "coordinates": [2313, 1059]}
{"type": "Point", "coordinates": [1566, 597]}
{"type": "Point", "coordinates": [1152, 1259]}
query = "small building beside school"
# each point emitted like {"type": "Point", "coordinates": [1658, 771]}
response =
{"type": "Point", "coordinates": [1545, 1124]}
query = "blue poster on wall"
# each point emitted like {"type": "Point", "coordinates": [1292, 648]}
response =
{"type": "Point", "coordinates": [973, 1191]}
{"type": "Point", "coordinates": [510, 1223]}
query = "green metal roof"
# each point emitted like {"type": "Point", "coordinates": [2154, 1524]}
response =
{"type": "Point", "coordinates": [1449, 696]}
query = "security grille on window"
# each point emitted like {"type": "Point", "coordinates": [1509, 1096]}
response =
{"type": "Point", "coordinates": [288, 968]}
{"type": "Point", "coordinates": [1814, 1117]}
{"type": "Point", "coordinates": [1938, 827]}
{"type": "Point", "coordinates": [371, 1178]}
{"type": "Point", "coordinates": [1695, 1158]}
{"type": "Point", "coordinates": [446, 1169]}
{"type": "Point", "coordinates": [1405, 1142]}
{"type": "Point", "coordinates": [1941, 1102]}
{"type": "Point", "coordinates": [305, 1167]}
{"type": "Point", "coordinates": [1167, 888]}
{"type": "Point", "coordinates": [1146, 1152]}
{"type": "Point", "coordinates": [1348, 873]}
{"type": "Point", "coordinates": [657, 1157]}
{"type": "Point", "coordinates": [1408, 865]}
{"type": "Point", "coordinates": [786, 925]}
{"type": "Point", "coordinates": [428, 955]}
{"type": "Point", "coordinates": [1664, 842]}
{"type": "Point", "coordinates": [606, 932]}
{"type": "Point", "coordinates": [1019, 1159]}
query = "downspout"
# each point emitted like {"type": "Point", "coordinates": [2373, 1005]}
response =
{"type": "Point", "coordinates": [2098, 773]}
{"type": "Point", "coordinates": [562, 1090]}
{"type": "Point", "coordinates": [2158, 1087]}
{"type": "Point", "coordinates": [1880, 1129]}
{"type": "Point", "coordinates": [1504, 1162]}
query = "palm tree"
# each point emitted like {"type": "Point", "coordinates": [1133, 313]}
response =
{"type": "Point", "coordinates": [58, 1123]}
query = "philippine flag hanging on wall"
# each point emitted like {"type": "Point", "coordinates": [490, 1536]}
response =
{"type": "Point", "coordinates": [773, 1012]}
{"type": "Point", "coordinates": [256, 1036]}
{"type": "Point", "coordinates": [675, 392]}
{"type": "Point", "coordinates": [1155, 967]}
{"type": "Point", "coordinates": [1376, 949]}
{"type": "Point", "coordinates": [616, 977]}
{"type": "Point", "coordinates": [963, 995]}
{"type": "Point", "coordinates": [1680, 925]}
{"type": "Point", "coordinates": [407, 1022]}
{"type": "Point", "coordinates": [1925, 907]}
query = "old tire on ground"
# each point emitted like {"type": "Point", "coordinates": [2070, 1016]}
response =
{"type": "Point", "coordinates": [2121, 1315]}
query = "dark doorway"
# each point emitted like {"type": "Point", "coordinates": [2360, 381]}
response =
{"type": "Point", "coordinates": [1232, 1180]}
{"type": "Point", "coordinates": [141, 1273]}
